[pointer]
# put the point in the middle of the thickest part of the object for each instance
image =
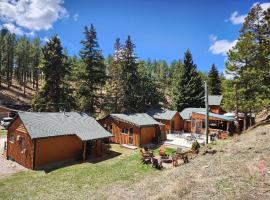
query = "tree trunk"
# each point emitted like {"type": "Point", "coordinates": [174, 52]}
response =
{"type": "Point", "coordinates": [245, 121]}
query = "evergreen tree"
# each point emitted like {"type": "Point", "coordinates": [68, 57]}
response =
{"type": "Point", "coordinates": [114, 85]}
{"type": "Point", "coordinates": [54, 94]}
{"type": "Point", "coordinates": [7, 56]}
{"type": "Point", "coordinates": [130, 78]}
{"type": "Point", "coordinates": [187, 88]}
{"type": "Point", "coordinates": [23, 61]}
{"type": "Point", "coordinates": [150, 97]}
{"type": "Point", "coordinates": [248, 63]}
{"type": "Point", "coordinates": [214, 83]}
{"type": "Point", "coordinates": [35, 58]}
{"type": "Point", "coordinates": [92, 73]}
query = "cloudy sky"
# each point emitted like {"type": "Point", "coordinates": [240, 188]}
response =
{"type": "Point", "coordinates": [161, 29]}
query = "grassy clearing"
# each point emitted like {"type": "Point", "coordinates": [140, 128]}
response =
{"type": "Point", "coordinates": [79, 181]}
{"type": "Point", "coordinates": [168, 151]}
{"type": "Point", "coordinates": [3, 133]}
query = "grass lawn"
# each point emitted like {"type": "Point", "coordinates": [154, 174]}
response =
{"type": "Point", "coordinates": [80, 181]}
{"type": "Point", "coordinates": [168, 151]}
{"type": "Point", "coordinates": [3, 133]}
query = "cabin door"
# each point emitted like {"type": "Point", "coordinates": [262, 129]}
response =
{"type": "Point", "coordinates": [130, 140]}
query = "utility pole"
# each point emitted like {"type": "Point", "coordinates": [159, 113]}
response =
{"type": "Point", "coordinates": [236, 107]}
{"type": "Point", "coordinates": [206, 113]}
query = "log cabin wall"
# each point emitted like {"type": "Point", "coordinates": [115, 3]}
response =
{"type": "Point", "coordinates": [144, 134]}
{"type": "Point", "coordinates": [20, 147]}
{"type": "Point", "coordinates": [116, 128]}
{"type": "Point", "coordinates": [54, 149]}
{"type": "Point", "coordinates": [178, 122]}
{"type": "Point", "coordinates": [148, 134]}
{"type": "Point", "coordinates": [215, 109]}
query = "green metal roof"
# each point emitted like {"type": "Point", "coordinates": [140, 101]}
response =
{"type": "Point", "coordinates": [45, 124]}
{"type": "Point", "coordinates": [162, 114]}
{"type": "Point", "coordinates": [221, 117]}
{"type": "Point", "coordinates": [139, 119]}
{"type": "Point", "coordinates": [186, 113]}
{"type": "Point", "coordinates": [214, 100]}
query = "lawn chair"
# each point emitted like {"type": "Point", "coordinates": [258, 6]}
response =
{"type": "Point", "coordinates": [175, 159]}
{"type": "Point", "coordinates": [146, 157]}
{"type": "Point", "coordinates": [156, 164]}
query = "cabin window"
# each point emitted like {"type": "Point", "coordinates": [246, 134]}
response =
{"type": "Point", "coordinates": [11, 137]}
{"type": "Point", "coordinates": [131, 131]}
{"type": "Point", "coordinates": [124, 131]}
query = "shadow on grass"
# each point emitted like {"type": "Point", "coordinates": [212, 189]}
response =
{"type": "Point", "coordinates": [105, 156]}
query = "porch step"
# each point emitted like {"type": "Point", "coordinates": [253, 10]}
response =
{"type": "Point", "coordinates": [129, 146]}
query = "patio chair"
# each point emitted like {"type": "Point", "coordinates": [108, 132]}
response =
{"type": "Point", "coordinates": [175, 159]}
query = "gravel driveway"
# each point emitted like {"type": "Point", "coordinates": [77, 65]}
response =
{"type": "Point", "coordinates": [8, 167]}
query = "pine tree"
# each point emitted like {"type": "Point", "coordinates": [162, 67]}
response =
{"type": "Point", "coordinates": [214, 83]}
{"type": "Point", "coordinates": [54, 94]}
{"type": "Point", "coordinates": [187, 86]}
{"type": "Point", "coordinates": [92, 73]}
{"type": "Point", "coordinates": [248, 62]}
{"type": "Point", "coordinates": [130, 78]}
{"type": "Point", "coordinates": [35, 59]}
{"type": "Point", "coordinates": [267, 16]}
{"type": "Point", "coordinates": [150, 97]}
{"type": "Point", "coordinates": [114, 85]}
{"type": "Point", "coordinates": [8, 50]}
{"type": "Point", "coordinates": [23, 61]}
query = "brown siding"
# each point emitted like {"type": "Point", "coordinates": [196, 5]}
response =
{"type": "Point", "coordinates": [178, 122]}
{"type": "Point", "coordinates": [147, 133]}
{"type": "Point", "coordinates": [187, 126]}
{"type": "Point", "coordinates": [167, 125]}
{"type": "Point", "coordinates": [55, 149]}
{"type": "Point", "coordinates": [215, 109]}
{"type": "Point", "coordinates": [22, 148]}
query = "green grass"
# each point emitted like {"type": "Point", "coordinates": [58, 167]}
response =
{"type": "Point", "coordinates": [3, 133]}
{"type": "Point", "coordinates": [75, 182]}
{"type": "Point", "coordinates": [168, 151]}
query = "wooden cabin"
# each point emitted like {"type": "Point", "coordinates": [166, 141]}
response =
{"type": "Point", "coordinates": [218, 124]}
{"type": "Point", "coordinates": [171, 119]}
{"type": "Point", "coordinates": [36, 140]}
{"type": "Point", "coordinates": [215, 104]}
{"type": "Point", "coordinates": [134, 129]}
{"type": "Point", "coordinates": [186, 116]}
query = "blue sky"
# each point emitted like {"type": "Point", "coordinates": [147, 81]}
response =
{"type": "Point", "coordinates": [160, 29]}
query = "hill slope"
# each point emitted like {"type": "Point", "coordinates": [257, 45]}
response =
{"type": "Point", "coordinates": [15, 94]}
{"type": "Point", "coordinates": [234, 172]}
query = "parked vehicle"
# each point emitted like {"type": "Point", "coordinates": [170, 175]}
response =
{"type": "Point", "coordinates": [6, 121]}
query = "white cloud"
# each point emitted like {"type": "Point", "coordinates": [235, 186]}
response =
{"type": "Point", "coordinates": [76, 17]}
{"type": "Point", "coordinates": [17, 30]}
{"type": "Point", "coordinates": [33, 15]}
{"type": "Point", "coordinates": [220, 46]}
{"type": "Point", "coordinates": [235, 18]}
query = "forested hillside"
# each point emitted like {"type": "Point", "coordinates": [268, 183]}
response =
{"type": "Point", "coordinates": [47, 77]}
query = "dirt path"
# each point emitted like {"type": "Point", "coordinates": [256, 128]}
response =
{"type": "Point", "coordinates": [8, 167]}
